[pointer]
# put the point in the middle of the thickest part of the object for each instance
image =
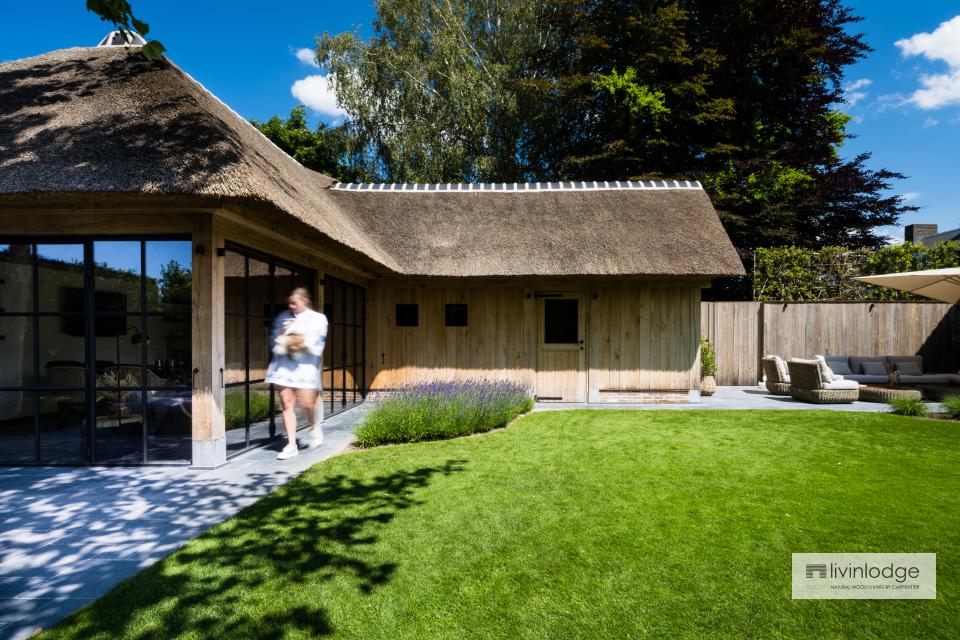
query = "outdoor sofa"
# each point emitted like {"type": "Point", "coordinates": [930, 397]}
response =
{"type": "Point", "coordinates": [873, 369]}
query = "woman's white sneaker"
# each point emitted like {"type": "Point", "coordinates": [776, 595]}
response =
{"type": "Point", "coordinates": [289, 451]}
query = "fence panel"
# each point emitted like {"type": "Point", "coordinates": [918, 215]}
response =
{"type": "Point", "coordinates": [734, 329]}
{"type": "Point", "coordinates": [743, 332]}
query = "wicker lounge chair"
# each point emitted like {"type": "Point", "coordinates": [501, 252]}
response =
{"type": "Point", "coordinates": [776, 384]}
{"type": "Point", "coordinates": [806, 384]}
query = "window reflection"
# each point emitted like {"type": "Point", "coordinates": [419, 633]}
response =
{"type": "Point", "coordinates": [234, 282]}
{"type": "Point", "coordinates": [169, 274]}
{"type": "Point", "coordinates": [117, 276]}
{"type": "Point", "coordinates": [169, 349]}
{"type": "Point", "coordinates": [60, 277]}
{"type": "Point", "coordinates": [16, 278]}
{"type": "Point", "coordinates": [16, 428]}
{"type": "Point", "coordinates": [16, 351]}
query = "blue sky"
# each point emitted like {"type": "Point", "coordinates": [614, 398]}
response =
{"type": "Point", "coordinates": [905, 98]}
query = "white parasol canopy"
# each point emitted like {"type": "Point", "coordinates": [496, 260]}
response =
{"type": "Point", "coordinates": [939, 284]}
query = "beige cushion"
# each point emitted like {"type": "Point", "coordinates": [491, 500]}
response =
{"type": "Point", "coordinates": [874, 368]}
{"type": "Point", "coordinates": [826, 374]}
{"type": "Point", "coordinates": [782, 368]}
{"type": "Point", "coordinates": [840, 385]}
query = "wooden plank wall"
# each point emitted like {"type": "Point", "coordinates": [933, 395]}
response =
{"type": "Point", "coordinates": [637, 337]}
{"type": "Point", "coordinates": [643, 338]}
{"type": "Point", "coordinates": [498, 341]}
{"type": "Point", "coordinates": [743, 332]}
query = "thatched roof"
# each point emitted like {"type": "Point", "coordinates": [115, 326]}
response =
{"type": "Point", "coordinates": [575, 230]}
{"type": "Point", "coordinates": [86, 122]}
{"type": "Point", "coordinates": [106, 120]}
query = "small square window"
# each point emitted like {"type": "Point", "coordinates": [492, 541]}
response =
{"type": "Point", "coordinates": [408, 315]}
{"type": "Point", "coordinates": [456, 315]}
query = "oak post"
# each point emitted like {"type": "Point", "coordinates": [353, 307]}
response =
{"type": "Point", "coordinates": [209, 436]}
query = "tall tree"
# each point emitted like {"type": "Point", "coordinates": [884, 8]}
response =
{"type": "Point", "coordinates": [742, 95]}
{"type": "Point", "coordinates": [334, 150]}
{"type": "Point", "coordinates": [433, 89]}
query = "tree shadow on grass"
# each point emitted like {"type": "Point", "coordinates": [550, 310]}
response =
{"type": "Point", "coordinates": [259, 575]}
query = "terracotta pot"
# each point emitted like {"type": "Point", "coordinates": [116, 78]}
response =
{"type": "Point", "coordinates": [708, 385]}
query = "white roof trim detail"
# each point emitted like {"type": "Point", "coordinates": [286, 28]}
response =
{"type": "Point", "coordinates": [518, 187]}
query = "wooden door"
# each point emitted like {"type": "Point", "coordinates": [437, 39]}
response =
{"type": "Point", "coordinates": [561, 334]}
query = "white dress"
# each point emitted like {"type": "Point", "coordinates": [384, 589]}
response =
{"type": "Point", "coordinates": [301, 369]}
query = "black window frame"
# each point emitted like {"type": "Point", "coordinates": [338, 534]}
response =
{"type": "Point", "coordinates": [562, 329]}
{"type": "Point", "coordinates": [408, 320]}
{"type": "Point", "coordinates": [258, 313]}
{"type": "Point", "coordinates": [456, 314]}
{"type": "Point", "coordinates": [137, 319]}
{"type": "Point", "coordinates": [344, 329]}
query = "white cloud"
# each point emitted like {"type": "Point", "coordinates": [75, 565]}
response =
{"type": "Point", "coordinates": [858, 84]}
{"type": "Point", "coordinates": [317, 92]}
{"type": "Point", "coordinates": [941, 45]}
{"type": "Point", "coordinates": [930, 122]}
{"type": "Point", "coordinates": [852, 93]}
{"type": "Point", "coordinates": [306, 56]}
{"type": "Point", "coordinates": [909, 196]}
{"type": "Point", "coordinates": [854, 97]}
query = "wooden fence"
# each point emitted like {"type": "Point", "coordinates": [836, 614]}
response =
{"type": "Point", "coordinates": [743, 332]}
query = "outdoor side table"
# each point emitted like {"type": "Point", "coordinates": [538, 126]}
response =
{"type": "Point", "coordinates": [871, 393]}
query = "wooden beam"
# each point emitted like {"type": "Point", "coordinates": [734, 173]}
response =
{"type": "Point", "coordinates": [270, 239]}
{"type": "Point", "coordinates": [66, 222]}
{"type": "Point", "coordinates": [209, 436]}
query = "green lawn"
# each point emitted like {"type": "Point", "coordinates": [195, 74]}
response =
{"type": "Point", "coordinates": [584, 524]}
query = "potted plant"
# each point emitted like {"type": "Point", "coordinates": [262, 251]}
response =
{"type": "Point", "coordinates": [708, 368]}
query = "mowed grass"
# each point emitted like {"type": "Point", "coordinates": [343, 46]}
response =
{"type": "Point", "coordinates": [582, 524]}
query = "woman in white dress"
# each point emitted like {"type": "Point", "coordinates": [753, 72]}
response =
{"type": "Point", "coordinates": [298, 336]}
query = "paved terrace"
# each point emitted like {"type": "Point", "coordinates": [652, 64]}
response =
{"type": "Point", "coordinates": [67, 535]}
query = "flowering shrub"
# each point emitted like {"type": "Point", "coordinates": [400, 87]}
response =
{"type": "Point", "coordinates": [438, 410]}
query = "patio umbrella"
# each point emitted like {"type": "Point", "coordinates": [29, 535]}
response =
{"type": "Point", "coordinates": [939, 284]}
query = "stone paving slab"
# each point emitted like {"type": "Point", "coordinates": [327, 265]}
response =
{"type": "Point", "coordinates": [68, 535]}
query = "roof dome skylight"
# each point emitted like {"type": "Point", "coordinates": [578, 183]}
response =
{"type": "Point", "coordinates": [116, 39]}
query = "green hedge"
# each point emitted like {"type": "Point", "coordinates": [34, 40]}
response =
{"type": "Point", "coordinates": [797, 273]}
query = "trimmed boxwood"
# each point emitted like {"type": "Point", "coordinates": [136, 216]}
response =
{"type": "Point", "coordinates": [439, 410]}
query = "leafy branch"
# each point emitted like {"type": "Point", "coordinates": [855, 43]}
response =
{"type": "Point", "coordinates": [120, 14]}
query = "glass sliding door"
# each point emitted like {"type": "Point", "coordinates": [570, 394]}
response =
{"type": "Point", "coordinates": [98, 371]}
{"type": "Point", "coordinates": [256, 289]}
{"type": "Point", "coordinates": [344, 304]}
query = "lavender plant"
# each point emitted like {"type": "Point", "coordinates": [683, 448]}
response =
{"type": "Point", "coordinates": [438, 410]}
